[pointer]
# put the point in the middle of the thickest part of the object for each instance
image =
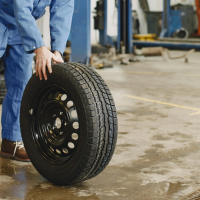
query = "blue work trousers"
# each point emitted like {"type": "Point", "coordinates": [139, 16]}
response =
{"type": "Point", "coordinates": [17, 71]}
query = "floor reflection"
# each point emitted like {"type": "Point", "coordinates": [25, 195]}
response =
{"type": "Point", "coordinates": [21, 181]}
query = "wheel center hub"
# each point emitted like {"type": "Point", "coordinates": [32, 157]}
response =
{"type": "Point", "coordinates": [58, 123]}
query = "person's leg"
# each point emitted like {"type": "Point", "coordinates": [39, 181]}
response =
{"type": "Point", "coordinates": [17, 71]}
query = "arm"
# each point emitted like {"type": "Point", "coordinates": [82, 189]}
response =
{"type": "Point", "coordinates": [31, 37]}
{"type": "Point", "coordinates": [26, 25]}
{"type": "Point", "coordinates": [61, 12]}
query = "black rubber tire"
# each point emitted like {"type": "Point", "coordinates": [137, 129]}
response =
{"type": "Point", "coordinates": [97, 121]}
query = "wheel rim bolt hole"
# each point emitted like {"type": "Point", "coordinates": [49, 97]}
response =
{"type": "Point", "coordinates": [65, 150]}
{"type": "Point", "coordinates": [71, 145]}
{"type": "Point", "coordinates": [70, 104]}
{"type": "Point", "coordinates": [51, 148]}
{"type": "Point", "coordinates": [75, 136]}
{"type": "Point", "coordinates": [63, 97]}
{"type": "Point", "coordinates": [75, 125]}
{"type": "Point", "coordinates": [31, 111]}
{"type": "Point", "coordinates": [74, 114]}
{"type": "Point", "coordinates": [58, 151]}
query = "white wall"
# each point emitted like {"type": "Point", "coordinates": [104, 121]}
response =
{"type": "Point", "coordinates": [141, 16]}
{"type": "Point", "coordinates": [155, 5]}
{"type": "Point", "coordinates": [112, 21]}
{"type": "Point", "coordinates": [94, 33]}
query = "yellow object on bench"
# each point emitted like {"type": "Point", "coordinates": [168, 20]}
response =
{"type": "Point", "coordinates": [145, 37]}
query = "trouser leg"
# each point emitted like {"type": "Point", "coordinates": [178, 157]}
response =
{"type": "Point", "coordinates": [17, 72]}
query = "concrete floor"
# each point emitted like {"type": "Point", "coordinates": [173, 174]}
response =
{"type": "Point", "coordinates": [158, 150]}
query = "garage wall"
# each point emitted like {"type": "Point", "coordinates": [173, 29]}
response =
{"type": "Point", "coordinates": [155, 5]}
{"type": "Point", "coordinates": [141, 15]}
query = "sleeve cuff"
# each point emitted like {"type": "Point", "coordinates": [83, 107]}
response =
{"type": "Point", "coordinates": [31, 48]}
{"type": "Point", "coordinates": [57, 48]}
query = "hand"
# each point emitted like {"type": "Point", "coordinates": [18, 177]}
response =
{"type": "Point", "coordinates": [43, 60]}
{"type": "Point", "coordinates": [58, 57]}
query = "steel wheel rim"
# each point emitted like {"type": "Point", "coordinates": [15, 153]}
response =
{"type": "Point", "coordinates": [55, 126]}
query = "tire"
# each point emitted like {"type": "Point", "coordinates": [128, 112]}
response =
{"type": "Point", "coordinates": [47, 124]}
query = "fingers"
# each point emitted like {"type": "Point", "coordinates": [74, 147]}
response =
{"type": "Point", "coordinates": [43, 61]}
{"type": "Point", "coordinates": [44, 71]}
{"type": "Point", "coordinates": [36, 69]}
{"type": "Point", "coordinates": [57, 59]}
{"type": "Point", "coordinates": [49, 66]}
{"type": "Point", "coordinates": [40, 72]}
{"type": "Point", "coordinates": [41, 69]}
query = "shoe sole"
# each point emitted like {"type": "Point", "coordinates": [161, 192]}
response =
{"type": "Point", "coordinates": [8, 155]}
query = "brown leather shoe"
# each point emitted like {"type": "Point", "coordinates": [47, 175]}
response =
{"type": "Point", "coordinates": [14, 150]}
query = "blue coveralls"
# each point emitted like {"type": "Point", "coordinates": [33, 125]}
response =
{"type": "Point", "coordinates": [19, 37]}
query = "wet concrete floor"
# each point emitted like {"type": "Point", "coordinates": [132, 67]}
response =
{"type": "Point", "coordinates": [158, 149]}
